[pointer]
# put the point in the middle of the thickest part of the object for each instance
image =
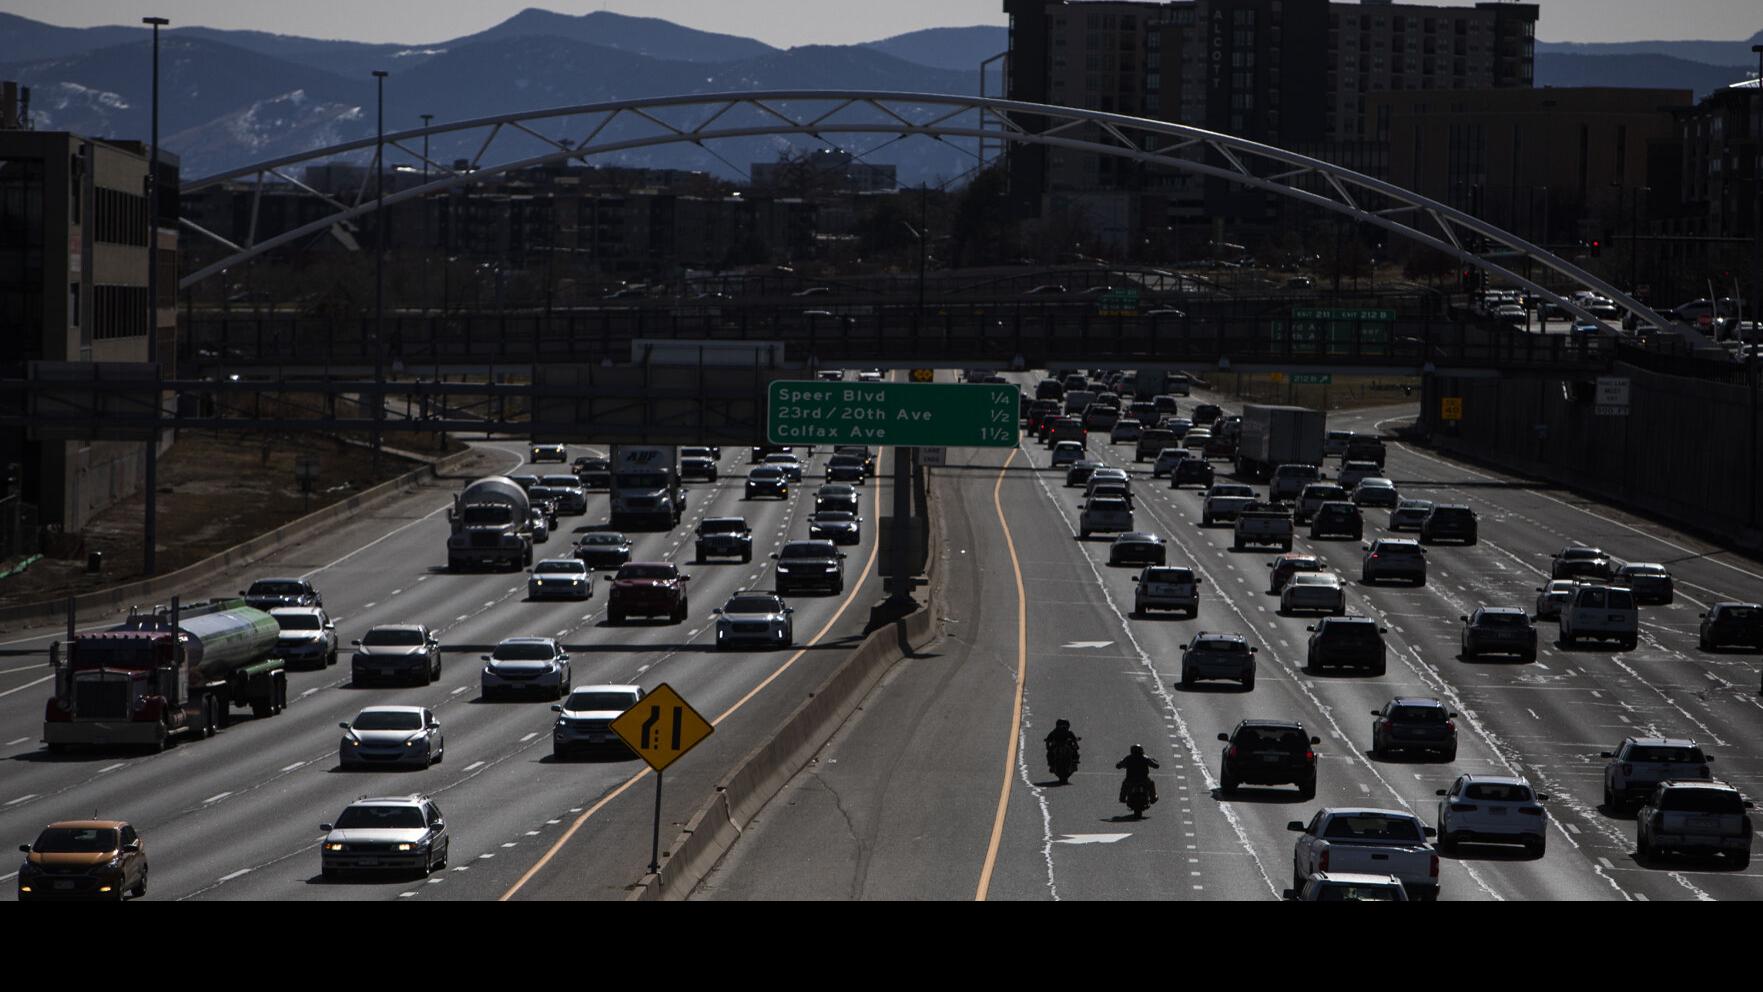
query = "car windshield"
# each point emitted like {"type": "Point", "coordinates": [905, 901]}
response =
{"type": "Point", "coordinates": [544, 492]}
{"type": "Point", "coordinates": [524, 651]}
{"type": "Point", "coordinates": [1414, 505]}
{"type": "Point", "coordinates": [1315, 579]}
{"type": "Point", "coordinates": [583, 701]}
{"type": "Point", "coordinates": [560, 481]}
{"type": "Point", "coordinates": [1503, 620]}
{"type": "Point", "coordinates": [1376, 483]}
{"type": "Point", "coordinates": [1222, 646]}
{"type": "Point", "coordinates": [604, 539]}
{"type": "Point", "coordinates": [1108, 504]}
{"type": "Point", "coordinates": [1351, 628]}
{"type": "Point", "coordinates": [835, 516]}
{"type": "Point", "coordinates": [723, 526]}
{"type": "Point", "coordinates": [1740, 613]}
{"type": "Point", "coordinates": [781, 460]}
{"type": "Point", "coordinates": [271, 588]}
{"type": "Point", "coordinates": [1398, 550]}
{"type": "Point", "coordinates": [596, 465]}
{"type": "Point", "coordinates": [807, 550]}
{"type": "Point", "coordinates": [75, 840]}
{"type": "Point", "coordinates": [1643, 570]}
{"type": "Point", "coordinates": [299, 621]}
{"type": "Point", "coordinates": [642, 480]}
{"type": "Point", "coordinates": [381, 818]}
{"type": "Point", "coordinates": [1168, 575]}
{"type": "Point", "coordinates": [752, 604]}
{"type": "Point", "coordinates": [846, 461]}
{"type": "Point", "coordinates": [766, 474]}
{"type": "Point", "coordinates": [1581, 554]}
{"type": "Point", "coordinates": [694, 452]}
{"type": "Point", "coordinates": [1418, 714]}
{"type": "Point", "coordinates": [487, 515]}
{"type": "Point", "coordinates": [1288, 739]}
{"type": "Point", "coordinates": [1374, 827]}
{"type": "Point", "coordinates": [571, 567]}
{"type": "Point", "coordinates": [393, 637]}
{"type": "Point", "coordinates": [388, 720]}
{"type": "Point", "coordinates": [1497, 792]}
{"type": "Point", "coordinates": [648, 572]}
{"type": "Point", "coordinates": [1324, 492]}
{"type": "Point", "coordinates": [1706, 801]}
{"type": "Point", "coordinates": [1665, 755]}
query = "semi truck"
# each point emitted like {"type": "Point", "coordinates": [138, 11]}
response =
{"type": "Point", "coordinates": [491, 522]}
{"type": "Point", "coordinates": [645, 486]}
{"type": "Point", "coordinates": [1272, 436]}
{"type": "Point", "coordinates": [164, 674]}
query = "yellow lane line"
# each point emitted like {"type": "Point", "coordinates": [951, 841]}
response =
{"type": "Point", "coordinates": [875, 547]}
{"type": "Point", "coordinates": [985, 875]}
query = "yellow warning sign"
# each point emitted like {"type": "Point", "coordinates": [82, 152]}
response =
{"type": "Point", "coordinates": [1276, 377]}
{"type": "Point", "coordinates": [924, 375]}
{"type": "Point", "coordinates": [662, 727]}
{"type": "Point", "coordinates": [1451, 407]}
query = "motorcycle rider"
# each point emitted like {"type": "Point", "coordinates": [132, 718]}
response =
{"type": "Point", "coordinates": [1061, 734]}
{"type": "Point", "coordinates": [1138, 767]}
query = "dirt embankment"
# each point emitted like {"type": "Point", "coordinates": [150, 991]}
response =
{"type": "Point", "coordinates": [215, 490]}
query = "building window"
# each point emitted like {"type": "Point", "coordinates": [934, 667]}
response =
{"type": "Point", "coordinates": [119, 312]}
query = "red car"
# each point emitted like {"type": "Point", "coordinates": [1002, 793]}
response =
{"type": "Point", "coordinates": [647, 588]}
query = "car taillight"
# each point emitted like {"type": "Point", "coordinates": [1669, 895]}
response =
{"type": "Point", "coordinates": [1231, 752]}
{"type": "Point", "coordinates": [1309, 755]}
{"type": "Point", "coordinates": [1322, 864]}
{"type": "Point", "coordinates": [1463, 807]}
{"type": "Point", "coordinates": [1435, 866]}
{"type": "Point", "coordinates": [1451, 725]}
{"type": "Point", "coordinates": [1386, 724]}
{"type": "Point", "coordinates": [1374, 554]}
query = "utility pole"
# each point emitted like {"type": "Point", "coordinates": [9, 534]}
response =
{"type": "Point", "coordinates": [428, 243]}
{"type": "Point", "coordinates": [150, 527]}
{"type": "Point", "coordinates": [379, 281]}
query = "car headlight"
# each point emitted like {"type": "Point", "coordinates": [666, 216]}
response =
{"type": "Point", "coordinates": [354, 743]}
{"type": "Point", "coordinates": [406, 847]}
{"type": "Point", "coordinates": [333, 847]}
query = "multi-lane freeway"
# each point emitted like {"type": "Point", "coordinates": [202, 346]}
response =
{"type": "Point", "coordinates": [237, 817]}
{"type": "Point", "coordinates": [940, 788]}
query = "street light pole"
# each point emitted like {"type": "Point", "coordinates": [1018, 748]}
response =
{"type": "Point", "coordinates": [1757, 281]}
{"type": "Point", "coordinates": [150, 498]}
{"type": "Point", "coordinates": [428, 244]}
{"type": "Point", "coordinates": [379, 279]}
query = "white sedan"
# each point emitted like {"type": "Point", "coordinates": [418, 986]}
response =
{"type": "Point", "coordinates": [1313, 591]}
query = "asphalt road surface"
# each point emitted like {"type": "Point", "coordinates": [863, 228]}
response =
{"type": "Point", "coordinates": [237, 817]}
{"type": "Point", "coordinates": [938, 788]}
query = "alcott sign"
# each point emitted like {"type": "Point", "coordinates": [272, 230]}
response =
{"type": "Point", "coordinates": [906, 414]}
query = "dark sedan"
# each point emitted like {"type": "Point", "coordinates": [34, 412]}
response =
{"type": "Point", "coordinates": [1138, 548]}
{"type": "Point", "coordinates": [604, 550]}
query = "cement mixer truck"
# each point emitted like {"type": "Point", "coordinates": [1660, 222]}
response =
{"type": "Point", "coordinates": [162, 675]}
{"type": "Point", "coordinates": [492, 523]}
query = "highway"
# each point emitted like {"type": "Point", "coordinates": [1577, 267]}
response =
{"type": "Point", "coordinates": [938, 789]}
{"type": "Point", "coordinates": [237, 817]}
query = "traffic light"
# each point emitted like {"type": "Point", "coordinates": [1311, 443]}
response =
{"type": "Point", "coordinates": [1597, 247]}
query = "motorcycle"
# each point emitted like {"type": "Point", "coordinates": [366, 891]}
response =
{"type": "Point", "coordinates": [1062, 760]}
{"type": "Point", "coordinates": [1138, 798]}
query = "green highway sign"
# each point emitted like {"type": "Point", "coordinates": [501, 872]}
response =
{"type": "Point", "coordinates": [901, 414]}
{"type": "Point", "coordinates": [1312, 378]}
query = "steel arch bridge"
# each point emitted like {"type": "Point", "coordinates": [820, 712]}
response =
{"type": "Point", "coordinates": [700, 118]}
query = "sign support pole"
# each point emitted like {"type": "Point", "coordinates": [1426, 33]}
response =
{"type": "Point", "coordinates": [655, 837]}
{"type": "Point", "coordinates": [902, 549]}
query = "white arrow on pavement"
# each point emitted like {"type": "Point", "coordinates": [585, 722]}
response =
{"type": "Point", "coordinates": [1091, 838]}
{"type": "Point", "coordinates": [1081, 645]}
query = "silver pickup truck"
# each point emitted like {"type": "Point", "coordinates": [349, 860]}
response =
{"type": "Point", "coordinates": [1370, 842]}
{"type": "Point", "coordinates": [1262, 526]}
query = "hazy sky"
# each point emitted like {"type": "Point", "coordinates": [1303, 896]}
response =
{"type": "Point", "coordinates": [794, 22]}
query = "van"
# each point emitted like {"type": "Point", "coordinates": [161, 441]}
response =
{"type": "Point", "coordinates": [1605, 613]}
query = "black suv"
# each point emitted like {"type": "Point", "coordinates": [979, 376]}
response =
{"type": "Point", "coordinates": [1268, 752]}
{"type": "Point", "coordinates": [724, 537]}
{"type": "Point", "coordinates": [267, 594]}
{"type": "Point", "coordinates": [1499, 630]}
{"type": "Point", "coordinates": [1448, 522]}
{"type": "Point", "coordinates": [1414, 723]}
{"type": "Point", "coordinates": [810, 563]}
{"type": "Point", "coordinates": [1346, 641]}
{"type": "Point", "coordinates": [1337, 519]}
{"type": "Point", "coordinates": [1191, 471]}
{"type": "Point", "coordinates": [1731, 625]}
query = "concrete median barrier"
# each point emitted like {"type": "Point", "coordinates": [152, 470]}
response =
{"type": "Point", "coordinates": [764, 772]}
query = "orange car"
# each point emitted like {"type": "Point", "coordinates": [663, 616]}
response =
{"type": "Point", "coordinates": [84, 859]}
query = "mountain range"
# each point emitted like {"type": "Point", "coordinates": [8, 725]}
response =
{"type": "Point", "coordinates": [234, 97]}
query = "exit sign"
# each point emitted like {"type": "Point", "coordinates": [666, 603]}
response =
{"type": "Point", "coordinates": [900, 414]}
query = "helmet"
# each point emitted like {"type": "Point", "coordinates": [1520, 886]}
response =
{"type": "Point", "coordinates": [1138, 750]}
{"type": "Point", "coordinates": [1061, 724]}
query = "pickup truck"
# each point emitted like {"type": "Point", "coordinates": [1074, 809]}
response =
{"type": "Point", "coordinates": [1370, 842]}
{"type": "Point", "coordinates": [1262, 526]}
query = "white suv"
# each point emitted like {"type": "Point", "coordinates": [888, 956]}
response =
{"type": "Point", "coordinates": [584, 720]}
{"type": "Point", "coordinates": [1497, 809]}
